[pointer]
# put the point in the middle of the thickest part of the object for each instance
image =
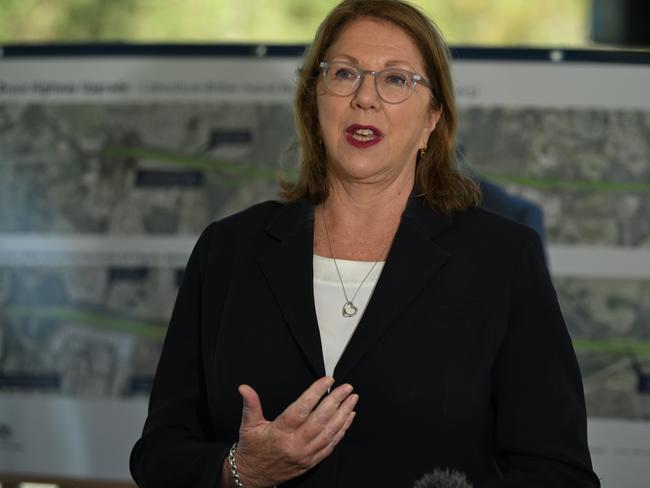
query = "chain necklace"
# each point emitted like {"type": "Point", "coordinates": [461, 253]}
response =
{"type": "Point", "coordinates": [349, 309]}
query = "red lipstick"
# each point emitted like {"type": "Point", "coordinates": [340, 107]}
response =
{"type": "Point", "coordinates": [363, 136]}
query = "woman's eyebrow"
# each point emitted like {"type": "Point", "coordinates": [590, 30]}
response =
{"type": "Point", "coordinates": [348, 57]}
{"type": "Point", "coordinates": [387, 64]}
{"type": "Point", "coordinates": [398, 62]}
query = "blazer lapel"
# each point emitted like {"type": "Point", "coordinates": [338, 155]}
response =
{"type": "Point", "coordinates": [413, 260]}
{"type": "Point", "coordinates": [286, 260]}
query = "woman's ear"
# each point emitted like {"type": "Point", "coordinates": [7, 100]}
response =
{"type": "Point", "coordinates": [432, 122]}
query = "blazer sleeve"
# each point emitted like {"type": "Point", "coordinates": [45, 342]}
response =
{"type": "Point", "coordinates": [540, 424]}
{"type": "Point", "coordinates": [178, 445]}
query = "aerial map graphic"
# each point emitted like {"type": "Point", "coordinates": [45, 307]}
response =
{"type": "Point", "coordinates": [110, 172]}
{"type": "Point", "coordinates": [103, 172]}
{"type": "Point", "coordinates": [590, 172]}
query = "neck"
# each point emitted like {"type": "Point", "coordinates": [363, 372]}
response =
{"type": "Point", "coordinates": [362, 219]}
{"type": "Point", "coordinates": [360, 203]}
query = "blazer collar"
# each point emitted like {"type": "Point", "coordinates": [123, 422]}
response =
{"type": "Point", "coordinates": [286, 260]}
{"type": "Point", "coordinates": [413, 260]}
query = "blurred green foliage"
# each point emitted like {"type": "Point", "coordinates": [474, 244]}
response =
{"type": "Point", "coordinates": [480, 22]}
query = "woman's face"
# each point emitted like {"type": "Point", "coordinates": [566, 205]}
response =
{"type": "Point", "coordinates": [386, 146]}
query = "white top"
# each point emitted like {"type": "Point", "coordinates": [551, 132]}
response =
{"type": "Point", "coordinates": [335, 329]}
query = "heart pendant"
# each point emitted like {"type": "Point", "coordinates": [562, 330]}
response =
{"type": "Point", "coordinates": [349, 310]}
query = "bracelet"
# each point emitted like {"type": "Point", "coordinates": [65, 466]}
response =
{"type": "Point", "coordinates": [233, 466]}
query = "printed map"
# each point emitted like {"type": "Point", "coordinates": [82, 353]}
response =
{"type": "Point", "coordinates": [590, 172]}
{"type": "Point", "coordinates": [163, 170]}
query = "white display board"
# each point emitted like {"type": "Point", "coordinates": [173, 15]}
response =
{"type": "Point", "coordinates": [111, 165]}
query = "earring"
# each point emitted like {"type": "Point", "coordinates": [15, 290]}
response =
{"type": "Point", "coordinates": [423, 150]}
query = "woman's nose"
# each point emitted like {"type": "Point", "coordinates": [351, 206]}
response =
{"type": "Point", "coordinates": [366, 95]}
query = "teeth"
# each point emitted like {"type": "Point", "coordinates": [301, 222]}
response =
{"type": "Point", "coordinates": [358, 137]}
{"type": "Point", "coordinates": [363, 135]}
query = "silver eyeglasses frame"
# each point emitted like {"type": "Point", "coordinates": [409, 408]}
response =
{"type": "Point", "coordinates": [414, 79]}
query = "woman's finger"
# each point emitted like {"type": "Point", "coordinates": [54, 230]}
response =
{"type": "Point", "coordinates": [331, 403]}
{"type": "Point", "coordinates": [252, 413]}
{"type": "Point", "coordinates": [296, 413]}
{"type": "Point", "coordinates": [329, 447]}
{"type": "Point", "coordinates": [323, 414]}
{"type": "Point", "coordinates": [337, 424]}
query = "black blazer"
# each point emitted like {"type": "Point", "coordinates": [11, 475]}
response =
{"type": "Point", "coordinates": [496, 199]}
{"type": "Point", "coordinates": [461, 358]}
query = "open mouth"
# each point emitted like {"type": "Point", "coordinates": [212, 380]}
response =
{"type": "Point", "coordinates": [364, 133]}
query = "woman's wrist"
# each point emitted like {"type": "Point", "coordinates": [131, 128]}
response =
{"type": "Point", "coordinates": [235, 480]}
{"type": "Point", "coordinates": [232, 477]}
{"type": "Point", "coordinates": [226, 477]}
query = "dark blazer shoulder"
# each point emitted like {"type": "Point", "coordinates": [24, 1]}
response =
{"type": "Point", "coordinates": [494, 229]}
{"type": "Point", "coordinates": [254, 217]}
{"type": "Point", "coordinates": [249, 220]}
{"type": "Point", "coordinates": [244, 230]}
{"type": "Point", "coordinates": [494, 243]}
{"type": "Point", "coordinates": [225, 234]}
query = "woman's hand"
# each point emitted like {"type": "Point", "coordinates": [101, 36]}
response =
{"type": "Point", "coordinates": [302, 436]}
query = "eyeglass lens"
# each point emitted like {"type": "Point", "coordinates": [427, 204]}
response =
{"type": "Point", "coordinates": [393, 85]}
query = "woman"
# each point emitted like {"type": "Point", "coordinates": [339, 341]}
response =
{"type": "Point", "coordinates": [376, 324]}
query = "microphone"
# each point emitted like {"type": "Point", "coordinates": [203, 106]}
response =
{"type": "Point", "coordinates": [443, 478]}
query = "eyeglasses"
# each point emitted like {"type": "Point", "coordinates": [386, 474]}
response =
{"type": "Point", "coordinates": [393, 85]}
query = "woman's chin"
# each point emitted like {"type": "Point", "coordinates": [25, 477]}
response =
{"type": "Point", "coordinates": [369, 171]}
{"type": "Point", "coordinates": [363, 173]}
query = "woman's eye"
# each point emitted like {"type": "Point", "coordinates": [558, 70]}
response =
{"type": "Point", "coordinates": [396, 79]}
{"type": "Point", "coordinates": [345, 74]}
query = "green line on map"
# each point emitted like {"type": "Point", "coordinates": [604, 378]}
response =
{"type": "Point", "coordinates": [191, 162]}
{"type": "Point", "coordinates": [90, 318]}
{"type": "Point", "coordinates": [555, 184]}
{"type": "Point", "coordinates": [622, 346]}
{"type": "Point", "coordinates": [247, 171]}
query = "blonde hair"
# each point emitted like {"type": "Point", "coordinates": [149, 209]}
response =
{"type": "Point", "coordinates": [437, 176]}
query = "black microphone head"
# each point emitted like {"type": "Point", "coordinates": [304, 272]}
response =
{"type": "Point", "coordinates": [443, 478]}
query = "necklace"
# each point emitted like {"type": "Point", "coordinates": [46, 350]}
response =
{"type": "Point", "coordinates": [349, 309]}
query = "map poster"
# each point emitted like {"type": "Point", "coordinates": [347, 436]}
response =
{"type": "Point", "coordinates": [109, 170]}
{"type": "Point", "coordinates": [110, 167]}
{"type": "Point", "coordinates": [573, 137]}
